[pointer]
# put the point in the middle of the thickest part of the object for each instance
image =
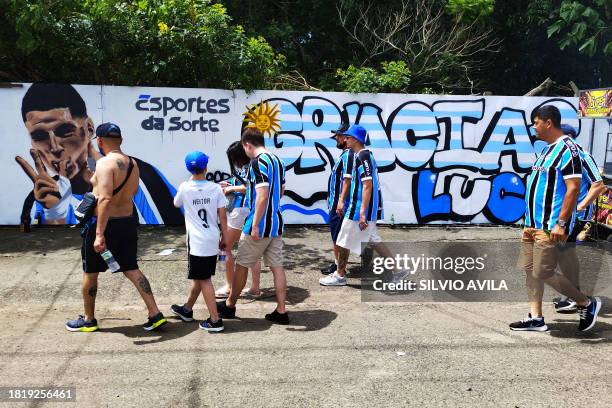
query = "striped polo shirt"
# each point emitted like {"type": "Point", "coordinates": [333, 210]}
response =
{"type": "Point", "coordinates": [343, 165]}
{"type": "Point", "coordinates": [546, 184]}
{"type": "Point", "coordinates": [266, 170]}
{"type": "Point", "coordinates": [364, 169]}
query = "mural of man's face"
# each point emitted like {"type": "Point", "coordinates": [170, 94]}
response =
{"type": "Point", "coordinates": [58, 137]}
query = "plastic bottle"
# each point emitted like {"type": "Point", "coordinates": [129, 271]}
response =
{"type": "Point", "coordinates": [110, 260]}
{"type": "Point", "coordinates": [222, 256]}
{"type": "Point", "coordinates": [392, 221]}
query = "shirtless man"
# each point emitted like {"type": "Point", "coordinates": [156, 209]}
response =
{"type": "Point", "coordinates": [115, 183]}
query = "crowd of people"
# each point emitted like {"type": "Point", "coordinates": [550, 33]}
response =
{"type": "Point", "coordinates": [560, 192]}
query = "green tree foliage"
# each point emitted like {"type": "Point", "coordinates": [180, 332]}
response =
{"type": "Point", "coordinates": [528, 55]}
{"type": "Point", "coordinates": [584, 25]}
{"type": "Point", "coordinates": [394, 76]}
{"type": "Point", "coordinates": [471, 11]}
{"type": "Point", "coordinates": [152, 42]}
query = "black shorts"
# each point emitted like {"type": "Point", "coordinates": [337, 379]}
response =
{"type": "Point", "coordinates": [335, 223]}
{"type": "Point", "coordinates": [201, 267]}
{"type": "Point", "coordinates": [121, 239]}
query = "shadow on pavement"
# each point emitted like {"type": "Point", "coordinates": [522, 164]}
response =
{"type": "Point", "coordinates": [300, 321]}
{"type": "Point", "coordinates": [295, 295]}
{"type": "Point", "coordinates": [172, 330]}
{"type": "Point", "coordinates": [601, 333]}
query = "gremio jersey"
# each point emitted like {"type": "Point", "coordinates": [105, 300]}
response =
{"type": "Point", "coordinates": [364, 169]}
{"type": "Point", "coordinates": [266, 170]}
{"type": "Point", "coordinates": [546, 184]}
{"type": "Point", "coordinates": [590, 175]}
{"type": "Point", "coordinates": [344, 165]}
{"type": "Point", "coordinates": [240, 200]}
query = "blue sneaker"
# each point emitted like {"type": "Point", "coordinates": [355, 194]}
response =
{"type": "Point", "coordinates": [588, 314]}
{"type": "Point", "coordinates": [211, 326]}
{"type": "Point", "coordinates": [530, 324]}
{"type": "Point", "coordinates": [82, 325]}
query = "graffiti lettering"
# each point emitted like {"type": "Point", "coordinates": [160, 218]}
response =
{"type": "Point", "coordinates": [462, 159]}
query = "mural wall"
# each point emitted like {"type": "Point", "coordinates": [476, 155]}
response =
{"type": "Point", "coordinates": [440, 158]}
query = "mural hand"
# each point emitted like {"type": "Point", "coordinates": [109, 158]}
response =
{"type": "Point", "coordinates": [46, 190]}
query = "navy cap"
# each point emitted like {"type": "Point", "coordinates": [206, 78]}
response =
{"type": "Point", "coordinates": [340, 131]}
{"type": "Point", "coordinates": [356, 132]}
{"type": "Point", "coordinates": [196, 161]}
{"type": "Point", "coordinates": [108, 130]}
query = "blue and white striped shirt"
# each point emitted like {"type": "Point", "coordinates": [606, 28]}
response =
{"type": "Point", "coordinates": [240, 200]}
{"type": "Point", "coordinates": [266, 170]}
{"type": "Point", "coordinates": [364, 169]}
{"type": "Point", "coordinates": [590, 175]}
{"type": "Point", "coordinates": [546, 188]}
{"type": "Point", "coordinates": [342, 167]}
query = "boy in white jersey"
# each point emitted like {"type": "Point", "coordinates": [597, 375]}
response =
{"type": "Point", "coordinates": [204, 205]}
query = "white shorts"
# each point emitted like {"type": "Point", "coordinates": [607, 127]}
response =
{"type": "Point", "coordinates": [236, 218]}
{"type": "Point", "coordinates": [351, 237]}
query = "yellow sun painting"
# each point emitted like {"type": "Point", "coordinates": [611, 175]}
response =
{"type": "Point", "coordinates": [263, 117]}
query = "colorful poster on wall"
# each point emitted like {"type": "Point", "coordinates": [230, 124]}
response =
{"type": "Point", "coordinates": [595, 103]}
{"type": "Point", "coordinates": [441, 158]}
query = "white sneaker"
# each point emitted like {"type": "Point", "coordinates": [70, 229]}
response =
{"type": "Point", "coordinates": [333, 280]}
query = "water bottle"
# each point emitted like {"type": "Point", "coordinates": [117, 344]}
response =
{"type": "Point", "coordinates": [110, 260]}
{"type": "Point", "coordinates": [392, 221]}
{"type": "Point", "coordinates": [222, 255]}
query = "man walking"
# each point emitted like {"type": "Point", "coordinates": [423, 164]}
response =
{"type": "Point", "coordinates": [364, 209]}
{"type": "Point", "coordinates": [113, 227]}
{"type": "Point", "coordinates": [550, 197]}
{"type": "Point", "coordinates": [263, 228]}
{"type": "Point", "coordinates": [337, 191]}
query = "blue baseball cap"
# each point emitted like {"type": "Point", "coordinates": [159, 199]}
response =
{"type": "Point", "coordinates": [356, 132]}
{"type": "Point", "coordinates": [569, 130]}
{"type": "Point", "coordinates": [196, 161]}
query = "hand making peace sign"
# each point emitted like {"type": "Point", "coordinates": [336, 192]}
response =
{"type": "Point", "coordinates": [46, 190]}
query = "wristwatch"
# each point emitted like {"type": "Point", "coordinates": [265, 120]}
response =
{"type": "Point", "coordinates": [561, 223]}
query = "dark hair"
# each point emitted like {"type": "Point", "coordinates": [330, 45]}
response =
{"type": "Point", "coordinates": [44, 97]}
{"type": "Point", "coordinates": [236, 154]}
{"type": "Point", "coordinates": [547, 112]}
{"type": "Point", "coordinates": [252, 136]}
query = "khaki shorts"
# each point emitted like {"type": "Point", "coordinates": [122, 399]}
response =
{"type": "Point", "coordinates": [250, 251]}
{"type": "Point", "coordinates": [539, 255]}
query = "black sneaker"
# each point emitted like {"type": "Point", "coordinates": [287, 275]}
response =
{"type": "Point", "coordinates": [225, 311]}
{"type": "Point", "coordinates": [330, 269]}
{"type": "Point", "coordinates": [530, 324]}
{"type": "Point", "coordinates": [564, 305]}
{"type": "Point", "coordinates": [181, 311]}
{"type": "Point", "coordinates": [278, 318]}
{"type": "Point", "coordinates": [211, 326]}
{"type": "Point", "coordinates": [588, 314]}
{"type": "Point", "coordinates": [155, 322]}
